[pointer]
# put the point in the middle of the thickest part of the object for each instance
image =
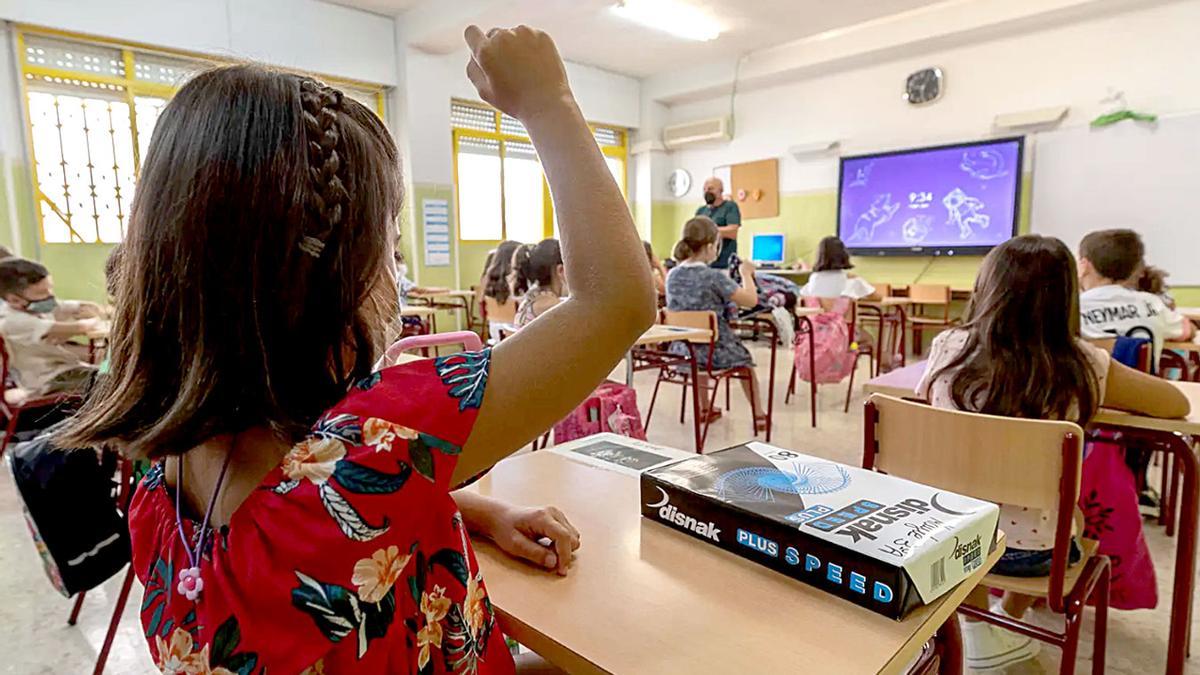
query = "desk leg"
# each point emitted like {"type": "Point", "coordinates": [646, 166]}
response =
{"type": "Point", "coordinates": [629, 368]}
{"type": "Point", "coordinates": [950, 650]}
{"type": "Point", "coordinates": [771, 383]}
{"type": "Point", "coordinates": [695, 397]}
{"type": "Point", "coordinates": [812, 370]}
{"type": "Point", "coordinates": [1185, 554]}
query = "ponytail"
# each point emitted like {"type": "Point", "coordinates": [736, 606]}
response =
{"type": "Point", "coordinates": [520, 270]}
{"type": "Point", "coordinates": [697, 233]}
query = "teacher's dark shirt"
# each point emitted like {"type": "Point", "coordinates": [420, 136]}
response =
{"type": "Point", "coordinates": [725, 214]}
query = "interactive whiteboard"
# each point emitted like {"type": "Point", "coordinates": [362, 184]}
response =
{"type": "Point", "coordinates": [1134, 175]}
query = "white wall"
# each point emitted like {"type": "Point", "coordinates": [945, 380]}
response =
{"type": "Point", "coordinates": [432, 80]}
{"type": "Point", "coordinates": [1149, 53]}
{"type": "Point", "coordinates": [302, 34]}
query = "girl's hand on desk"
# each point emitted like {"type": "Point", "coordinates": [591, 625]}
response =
{"type": "Point", "coordinates": [518, 532]}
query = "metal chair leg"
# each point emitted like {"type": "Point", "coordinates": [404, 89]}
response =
{"type": "Point", "coordinates": [114, 623]}
{"type": "Point", "coordinates": [74, 617]}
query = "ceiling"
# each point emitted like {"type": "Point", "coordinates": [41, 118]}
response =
{"type": "Point", "coordinates": [587, 32]}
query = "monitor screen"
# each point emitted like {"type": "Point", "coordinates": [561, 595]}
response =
{"type": "Point", "coordinates": [767, 248]}
{"type": "Point", "coordinates": [942, 200]}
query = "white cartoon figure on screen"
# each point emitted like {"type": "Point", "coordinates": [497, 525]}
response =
{"type": "Point", "coordinates": [882, 210]}
{"type": "Point", "coordinates": [964, 211]}
{"type": "Point", "coordinates": [915, 229]}
{"type": "Point", "coordinates": [862, 175]}
{"type": "Point", "coordinates": [983, 164]}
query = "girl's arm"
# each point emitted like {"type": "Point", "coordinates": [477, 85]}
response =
{"type": "Point", "coordinates": [747, 295]}
{"type": "Point", "coordinates": [541, 373]}
{"type": "Point", "coordinates": [1142, 393]}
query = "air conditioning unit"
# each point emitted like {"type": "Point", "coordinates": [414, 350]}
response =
{"type": "Point", "coordinates": [711, 130]}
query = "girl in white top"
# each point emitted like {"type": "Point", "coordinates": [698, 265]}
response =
{"type": "Point", "coordinates": [830, 278]}
{"type": "Point", "coordinates": [1019, 354]}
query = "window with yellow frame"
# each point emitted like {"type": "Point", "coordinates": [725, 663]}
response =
{"type": "Point", "coordinates": [501, 191]}
{"type": "Point", "coordinates": [92, 105]}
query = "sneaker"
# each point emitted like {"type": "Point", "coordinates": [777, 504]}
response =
{"type": "Point", "coordinates": [1149, 504]}
{"type": "Point", "coordinates": [991, 649]}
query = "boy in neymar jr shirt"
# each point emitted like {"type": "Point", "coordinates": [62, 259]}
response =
{"type": "Point", "coordinates": [1109, 261]}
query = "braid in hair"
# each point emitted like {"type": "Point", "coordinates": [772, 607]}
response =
{"type": "Point", "coordinates": [328, 201]}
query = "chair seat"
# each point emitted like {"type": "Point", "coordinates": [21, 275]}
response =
{"type": "Point", "coordinates": [1039, 587]}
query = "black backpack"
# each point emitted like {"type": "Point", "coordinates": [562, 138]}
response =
{"type": "Point", "coordinates": [70, 504]}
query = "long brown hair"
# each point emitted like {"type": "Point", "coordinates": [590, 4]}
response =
{"type": "Point", "coordinates": [832, 255]}
{"type": "Point", "coordinates": [497, 282]}
{"type": "Point", "coordinates": [258, 259]}
{"type": "Point", "coordinates": [1022, 357]}
{"type": "Point", "coordinates": [697, 233]}
{"type": "Point", "coordinates": [535, 265]}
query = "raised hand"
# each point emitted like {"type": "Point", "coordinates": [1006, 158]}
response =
{"type": "Point", "coordinates": [517, 70]}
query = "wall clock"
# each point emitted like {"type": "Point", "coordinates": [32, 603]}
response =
{"type": "Point", "coordinates": [924, 86]}
{"type": "Point", "coordinates": [679, 182]}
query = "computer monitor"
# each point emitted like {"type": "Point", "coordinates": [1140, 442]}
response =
{"type": "Point", "coordinates": [767, 249]}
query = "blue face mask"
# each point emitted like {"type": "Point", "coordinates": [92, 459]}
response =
{"type": "Point", "coordinates": [43, 306]}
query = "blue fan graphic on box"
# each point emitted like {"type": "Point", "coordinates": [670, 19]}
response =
{"type": "Point", "coordinates": [760, 484]}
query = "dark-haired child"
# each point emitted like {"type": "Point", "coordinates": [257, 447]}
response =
{"type": "Point", "coordinates": [1000, 362]}
{"type": "Point", "coordinates": [539, 278]}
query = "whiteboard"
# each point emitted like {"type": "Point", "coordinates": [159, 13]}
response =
{"type": "Point", "coordinates": [1133, 175]}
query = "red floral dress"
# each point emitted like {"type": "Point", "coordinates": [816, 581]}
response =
{"type": "Point", "coordinates": [351, 557]}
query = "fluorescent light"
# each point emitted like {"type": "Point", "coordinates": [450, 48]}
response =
{"type": "Point", "coordinates": [670, 16]}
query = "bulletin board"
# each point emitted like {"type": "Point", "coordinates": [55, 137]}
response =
{"type": "Point", "coordinates": [755, 188]}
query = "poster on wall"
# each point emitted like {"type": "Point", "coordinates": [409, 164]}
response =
{"type": "Point", "coordinates": [435, 218]}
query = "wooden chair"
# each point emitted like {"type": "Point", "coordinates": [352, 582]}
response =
{"type": "Point", "coordinates": [17, 400]}
{"type": "Point", "coordinates": [1030, 463]}
{"type": "Point", "coordinates": [706, 321]}
{"type": "Point", "coordinates": [928, 297]}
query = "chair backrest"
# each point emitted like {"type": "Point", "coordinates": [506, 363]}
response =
{"type": "Point", "coordinates": [1018, 462]}
{"type": "Point", "coordinates": [881, 291]}
{"type": "Point", "coordinates": [692, 319]}
{"type": "Point", "coordinates": [931, 294]}
{"type": "Point", "coordinates": [1143, 357]}
{"type": "Point", "coordinates": [465, 338]}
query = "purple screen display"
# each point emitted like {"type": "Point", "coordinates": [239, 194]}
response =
{"type": "Point", "coordinates": [949, 197]}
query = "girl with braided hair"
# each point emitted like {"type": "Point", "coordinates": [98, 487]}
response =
{"type": "Point", "coordinates": [298, 516]}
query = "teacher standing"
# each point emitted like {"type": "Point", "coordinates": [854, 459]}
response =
{"type": "Point", "coordinates": [727, 217]}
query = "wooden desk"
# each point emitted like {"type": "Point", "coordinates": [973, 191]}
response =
{"type": "Point", "coordinates": [799, 275]}
{"type": "Point", "coordinates": [421, 312]}
{"type": "Point", "coordinates": [1174, 435]}
{"type": "Point", "coordinates": [643, 598]}
{"type": "Point", "coordinates": [659, 333]}
{"type": "Point", "coordinates": [445, 298]}
{"type": "Point", "coordinates": [1182, 346]}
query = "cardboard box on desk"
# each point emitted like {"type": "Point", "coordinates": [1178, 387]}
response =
{"type": "Point", "coordinates": [882, 542]}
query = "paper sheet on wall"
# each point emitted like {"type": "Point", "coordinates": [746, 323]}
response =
{"type": "Point", "coordinates": [435, 218]}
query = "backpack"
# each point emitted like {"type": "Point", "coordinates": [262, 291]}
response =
{"type": "Point", "coordinates": [612, 407]}
{"type": "Point", "coordinates": [70, 502]}
{"type": "Point", "coordinates": [832, 359]}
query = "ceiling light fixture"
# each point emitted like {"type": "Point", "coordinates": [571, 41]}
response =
{"type": "Point", "coordinates": [670, 16]}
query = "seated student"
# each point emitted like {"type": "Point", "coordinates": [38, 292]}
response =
{"type": "Point", "coordinates": [1019, 354]}
{"type": "Point", "coordinates": [657, 271]}
{"type": "Point", "coordinates": [499, 301]}
{"type": "Point", "coordinates": [830, 277]}
{"type": "Point", "coordinates": [695, 286]}
{"type": "Point", "coordinates": [1153, 280]}
{"type": "Point", "coordinates": [539, 277]}
{"type": "Point", "coordinates": [36, 328]}
{"type": "Point", "coordinates": [1110, 262]}
{"type": "Point", "coordinates": [299, 501]}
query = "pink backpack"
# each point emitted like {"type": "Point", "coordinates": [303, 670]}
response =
{"type": "Point", "coordinates": [611, 407]}
{"type": "Point", "coordinates": [832, 359]}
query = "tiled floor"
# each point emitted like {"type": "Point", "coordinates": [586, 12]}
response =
{"type": "Point", "coordinates": [34, 637]}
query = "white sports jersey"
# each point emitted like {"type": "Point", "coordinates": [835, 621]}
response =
{"type": "Point", "coordinates": [1109, 311]}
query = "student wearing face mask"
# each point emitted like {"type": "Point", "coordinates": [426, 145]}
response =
{"type": "Point", "coordinates": [37, 327]}
{"type": "Point", "coordinates": [727, 217]}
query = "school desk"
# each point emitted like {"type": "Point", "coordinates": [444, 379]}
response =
{"type": "Point", "coordinates": [643, 598]}
{"type": "Point", "coordinates": [444, 298]}
{"type": "Point", "coordinates": [1173, 435]}
{"type": "Point", "coordinates": [798, 276]}
{"type": "Point", "coordinates": [657, 335]}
